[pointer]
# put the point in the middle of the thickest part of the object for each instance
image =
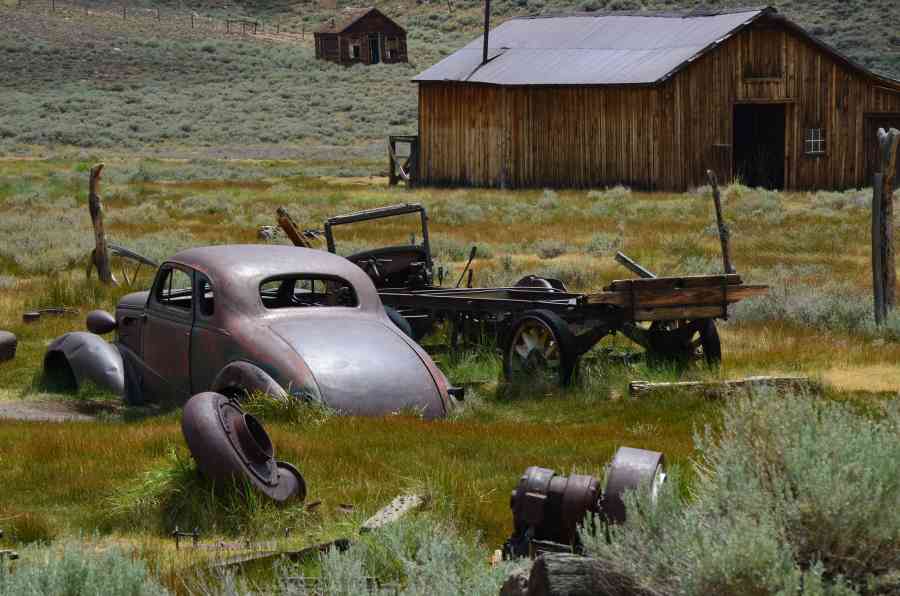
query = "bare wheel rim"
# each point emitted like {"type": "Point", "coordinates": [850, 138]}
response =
{"type": "Point", "coordinates": [535, 352]}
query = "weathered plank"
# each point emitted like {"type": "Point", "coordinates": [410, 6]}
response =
{"type": "Point", "coordinates": [662, 297]}
{"type": "Point", "coordinates": [561, 574]}
{"type": "Point", "coordinates": [724, 389]}
{"type": "Point", "coordinates": [395, 510]}
{"type": "Point", "coordinates": [667, 283]}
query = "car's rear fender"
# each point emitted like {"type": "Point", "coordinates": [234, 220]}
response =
{"type": "Point", "coordinates": [244, 377]}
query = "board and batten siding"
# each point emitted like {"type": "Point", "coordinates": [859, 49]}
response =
{"type": "Point", "coordinates": [654, 137]}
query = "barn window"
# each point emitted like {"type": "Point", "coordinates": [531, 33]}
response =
{"type": "Point", "coordinates": [392, 47]}
{"type": "Point", "coordinates": [355, 51]}
{"type": "Point", "coordinates": [815, 141]}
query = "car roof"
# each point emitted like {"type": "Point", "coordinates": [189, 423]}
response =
{"type": "Point", "coordinates": [242, 267]}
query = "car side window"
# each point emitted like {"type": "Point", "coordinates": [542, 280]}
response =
{"type": "Point", "coordinates": [175, 289]}
{"type": "Point", "coordinates": [206, 304]}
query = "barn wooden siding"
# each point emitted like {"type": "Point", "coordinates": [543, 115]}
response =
{"type": "Point", "coordinates": [336, 47]}
{"type": "Point", "coordinates": [655, 137]}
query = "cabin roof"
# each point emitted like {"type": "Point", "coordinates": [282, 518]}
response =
{"type": "Point", "coordinates": [348, 18]}
{"type": "Point", "coordinates": [600, 48]}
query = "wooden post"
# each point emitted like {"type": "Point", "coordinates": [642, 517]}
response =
{"type": "Point", "coordinates": [157, 13]}
{"type": "Point", "coordinates": [100, 255]}
{"type": "Point", "coordinates": [487, 29]}
{"type": "Point", "coordinates": [124, 12]}
{"type": "Point", "coordinates": [192, 20]}
{"type": "Point", "coordinates": [724, 234]}
{"type": "Point", "coordinates": [290, 228]}
{"type": "Point", "coordinates": [884, 273]}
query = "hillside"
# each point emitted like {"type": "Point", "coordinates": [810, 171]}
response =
{"type": "Point", "coordinates": [151, 86]}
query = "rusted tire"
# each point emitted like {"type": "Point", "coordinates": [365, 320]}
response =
{"type": "Point", "coordinates": [539, 347]}
{"type": "Point", "coordinates": [685, 342]}
{"type": "Point", "coordinates": [229, 444]}
{"type": "Point", "coordinates": [8, 343]}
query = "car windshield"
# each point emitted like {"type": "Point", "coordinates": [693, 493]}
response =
{"type": "Point", "coordinates": [360, 236]}
{"type": "Point", "coordinates": [300, 290]}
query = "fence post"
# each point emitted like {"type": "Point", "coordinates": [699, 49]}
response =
{"type": "Point", "coordinates": [157, 13]}
{"type": "Point", "coordinates": [192, 20]}
{"type": "Point", "coordinates": [124, 11]}
{"type": "Point", "coordinates": [884, 274]}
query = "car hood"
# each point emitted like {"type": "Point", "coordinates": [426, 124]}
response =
{"type": "Point", "coordinates": [362, 366]}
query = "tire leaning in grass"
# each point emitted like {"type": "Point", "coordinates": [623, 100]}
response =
{"type": "Point", "coordinates": [539, 346]}
{"type": "Point", "coordinates": [8, 343]}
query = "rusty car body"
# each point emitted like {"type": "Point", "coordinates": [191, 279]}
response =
{"type": "Point", "coordinates": [245, 318]}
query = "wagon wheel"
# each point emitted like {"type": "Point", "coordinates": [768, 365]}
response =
{"type": "Point", "coordinates": [539, 348]}
{"type": "Point", "coordinates": [685, 342]}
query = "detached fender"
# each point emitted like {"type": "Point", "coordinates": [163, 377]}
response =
{"type": "Point", "coordinates": [243, 376]}
{"type": "Point", "coordinates": [79, 356]}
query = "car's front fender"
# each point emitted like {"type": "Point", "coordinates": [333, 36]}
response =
{"type": "Point", "coordinates": [76, 357]}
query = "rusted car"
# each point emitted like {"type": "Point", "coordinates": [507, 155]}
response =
{"type": "Point", "coordinates": [234, 319]}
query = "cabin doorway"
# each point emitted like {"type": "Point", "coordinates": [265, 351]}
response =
{"type": "Point", "coordinates": [759, 141]}
{"type": "Point", "coordinates": [374, 49]}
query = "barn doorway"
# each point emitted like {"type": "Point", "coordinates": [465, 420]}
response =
{"type": "Point", "coordinates": [759, 144]}
{"type": "Point", "coordinates": [374, 49]}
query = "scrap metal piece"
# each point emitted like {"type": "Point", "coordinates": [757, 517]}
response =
{"type": "Point", "coordinates": [548, 509]}
{"type": "Point", "coordinates": [8, 344]}
{"type": "Point", "coordinates": [227, 444]}
{"type": "Point", "coordinates": [34, 315]}
{"type": "Point", "coordinates": [79, 356]}
{"type": "Point", "coordinates": [118, 250]}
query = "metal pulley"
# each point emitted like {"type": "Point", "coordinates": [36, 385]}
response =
{"type": "Point", "coordinates": [548, 508]}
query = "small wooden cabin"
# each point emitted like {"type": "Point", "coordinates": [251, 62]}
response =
{"type": "Point", "coordinates": [652, 100]}
{"type": "Point", "coordinates": [361, 36]}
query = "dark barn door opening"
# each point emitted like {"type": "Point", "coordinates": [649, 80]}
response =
{"type": "Point", "coordinates": [759, 144]}
{"type": "Point", "coordinates": [374, 49]}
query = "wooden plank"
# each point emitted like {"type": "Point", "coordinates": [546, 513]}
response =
{"type": "Point", "coordinates": [696, 296]}
{"type": "Point", "coordinates": [689, 281]}
{"type": "Point", "coordinates": [724, 389]}
{"type": "Point", "coordinates": [391, 513]}
{"type": "Point", "coordinates": [679, 313]}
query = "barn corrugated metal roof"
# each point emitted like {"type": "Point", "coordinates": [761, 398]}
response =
{"type": "Point", "coordinates": [590, 49]}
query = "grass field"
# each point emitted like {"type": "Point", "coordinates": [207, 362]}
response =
{"type": "Point", "coordinates": [129, 476]}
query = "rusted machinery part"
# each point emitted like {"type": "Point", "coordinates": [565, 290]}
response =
{"type": "Point", "coordinates": [100, 322]}
{"type": "Point", "coordinates": [539, 346]}
{"type": "Point", "coordinates": [683, 342]}
{"type": "Point", "coordinates": [8, 343]}
{"type": "Point", "coordinates": [228, 444]}
{"type": "Point", "coordinates": [79, 356]}
{"type": "Point", "coordinates": [631, 468]}
{"type": "Point", "coordinates": [549, 508]}
{"type": "Point", "coordinates": [547, 283]}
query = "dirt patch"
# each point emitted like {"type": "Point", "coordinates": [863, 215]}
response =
{"type": "Point", "coordinates": [56, 410]}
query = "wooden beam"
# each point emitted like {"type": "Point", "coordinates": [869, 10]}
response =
{"type": "Point", "coordinates": [100, 254]}
{"type": "Point", "coordinates": [724, 233]}
{"type": "Point", "coordinates": [290, 228]}
{"type": "Point", "coordinates": [723, 389]}
{"type": "Point", "coordinates": [884, 273]}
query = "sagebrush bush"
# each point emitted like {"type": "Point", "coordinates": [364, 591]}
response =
{"type": "Point", "coordinates": [414, 556]}
{"type": "Point", "coordinates": [793, 496]}
{"type": "Point", "coordinates": [604, 244]}
{"type": "Point", "coordinates": [550, 248]}
{"type": "Point", "coordinates": [457, 212]}
{"type": "Point", "coordinates": [549, 200]}
{"type": "Point", "coordinates": [77, 568]}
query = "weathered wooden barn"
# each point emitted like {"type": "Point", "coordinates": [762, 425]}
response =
{"type": "Point", "coordinates": [652, 100]}
{"type": "Point", "coordinates": [361, 36]}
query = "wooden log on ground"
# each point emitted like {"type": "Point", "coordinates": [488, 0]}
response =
{"type": "Point", "coordinates": [724, 389]}
{"type": "Point", "coordinates": [100, 254]}
{"type": "Point", "coordinates": [561, 574]}
{"type": "Point", "coordinates": [395, 510]}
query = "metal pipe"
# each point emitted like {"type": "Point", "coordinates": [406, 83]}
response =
{"type": "Point", "coordinates": [487, 29]}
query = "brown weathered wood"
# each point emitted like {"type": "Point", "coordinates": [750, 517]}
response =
{"type": "Point", "coordinates": [290, 228]}
{"type": "Point", "coordinates": [667, 283]}
{"type": "Point", "coordinates": [888, 141]}
{"type": "Point", "coordinates": [877, 254]}
{"type": "Point", "coordinates": [723, 389]}
{"type": "Point", "coordinates": [662, 297]}
{"type": "Point", "coordinates": [651, 137]}
{"type": "Point", "coordinates": [724, 233]}
{"type": "Point", "coordinates": [100, 254]}
{"type": "Point", "coordinates": [679, 313]}
{"type": "Point", "coordinates": [391, 513]}
{"type": "Point", "coordinates": [560, 574]}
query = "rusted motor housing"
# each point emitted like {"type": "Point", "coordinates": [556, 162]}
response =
{"type": "Point", "coordinates": [8, 343]}
{"type": "Point", "coordinates": [228, 443]}
{"type": "Point", "coordinates": [549, 508]}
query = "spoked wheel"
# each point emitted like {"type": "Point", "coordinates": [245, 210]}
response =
{"type": "Point", "coordinates": [685, 342]}
{"type": "Point", "coordinates": [539, 348]}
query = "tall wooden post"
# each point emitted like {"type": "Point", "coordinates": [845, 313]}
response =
{"type": "Point", "coordinates": [884, 274]}
{"type": "Point", "coordinates": [487, 29]}
{"type": "Point", "coordinates": [100, 255]}
{"type": "Point", "coordinates": [724, 233]}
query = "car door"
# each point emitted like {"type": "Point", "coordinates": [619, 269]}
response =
{"type": "Point", "coordinates": [211, 344]}
{"type": "Point", "coordinates": [166, 337]}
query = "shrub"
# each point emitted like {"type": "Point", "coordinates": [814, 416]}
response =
{"type": "Point", "coordinates": [549, 200]}
{"type": "Point", "coordinates": [604, 244]}
{"type": "Point", "coordinates": [457, 212]}
{"type": "Point", "coordinates": [794, 495]}
{"type": "Point", "coordinates": [420, 555]}
{"type": "Point", "coordinates": [550, 249]}
{"type": "Point", "coordinates": [76, 568]}
{"type": "Point", "coordinates": [205, 205]}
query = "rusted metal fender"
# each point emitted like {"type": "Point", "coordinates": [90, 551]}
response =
{"type": "Point", "coordinates": [240, 377]}
{"type": "Point", "coordinates": [79, 356]}
{"type": "Point", "coordinates": [8, 343]}
{"type": "Point", "coordinates": [229, 444]}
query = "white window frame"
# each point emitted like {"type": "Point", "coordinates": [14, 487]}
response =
{"type": "Point", "coordinates": [814, 141]}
